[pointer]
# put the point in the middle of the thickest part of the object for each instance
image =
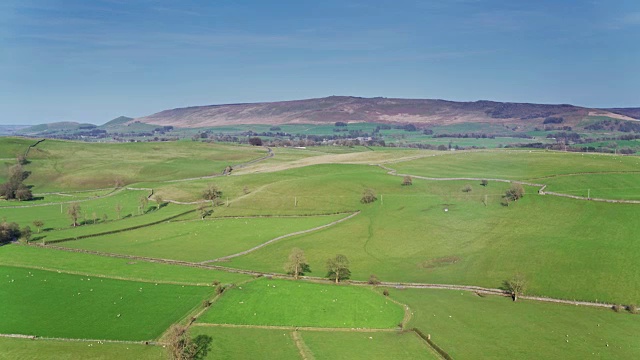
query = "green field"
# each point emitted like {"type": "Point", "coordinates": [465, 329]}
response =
{"type": "Point", "coordinates": [410, 237]}
{"type": "Point", "coordinates": [66, 165]}
{"type": "Point", "coordinates": [357, 345]}
{"type": "Point", "coordinates": [152, 216]}
{"type": "Point", "coordinates": [515, 164]}
{"type": "Point", "coordinates": [471, 327]}
{"type": "Point", "coordinates": [99, 266]}
{"type": "Point", "coordinates": [51, 304]}
{"type": "Point", "coordinates": [25, 349]}
{"type": "Point", "coordinates": [55, 215]}
{"type": "Point", "coordinates": [297, 303]}
{"type": "Point", "coordinates": [429, 232]}
{"type": "Point", "coordinates": [604, 186]}
{"type": "Point", "coordinates": [199, 240]}
{"type": "Point", "coordinates": [245, 343]}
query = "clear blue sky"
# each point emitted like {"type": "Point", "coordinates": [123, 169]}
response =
{"type": "Point", "coordinates": [91, 61]}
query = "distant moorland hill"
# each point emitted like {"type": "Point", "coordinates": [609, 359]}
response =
{"type": "Point", "coordinates": [378, 110]}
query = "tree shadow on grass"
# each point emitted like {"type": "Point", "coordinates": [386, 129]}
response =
{"type": "Point", "coordinates": [203, 346]}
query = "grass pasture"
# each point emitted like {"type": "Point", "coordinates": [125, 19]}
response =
{"type": "Point", "coordinates": [407, 236]}
{"type": "Point", "coordinates": [153, 215]}
{"type": "Point", "coordinates": [26, 349]}
{"type": "Point", "coordinates": [55, 215]}
{"type": "Point", "coordinates": [429, 232]}
{"type": "Point", "coordinates": [298, 303]}
{"type": "Point", "coordinates": [51, 304]}
{"type": "Point", "coordinates": [366, 346]}
{"type": "Point", "coordinates": [100, 266]}
{"type": "Point", "coordinates": [604, 186]}
{"type": "Point", "coordinates": [66, 165]}
{"type": "Point", "coordinates": [247, 343]}
{"type": "Point", "coordinates": [200, 240]}
{"type": "Point", "coordinates": [515, 164]}
{"type": "Point", "coordinates": [471, 327]}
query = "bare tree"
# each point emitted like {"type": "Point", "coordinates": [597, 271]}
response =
{"type": "Point", "coordinates": [179, 343]}
{"type": "Point", "coordinates": [118, 210]}
{"type": "Point", "coordinates": [159, 200]}
{"type": "Point", "coordinates": [515, 192]}
{"type": "Point", "coordinates": [338, 268]}
{"type": "Point", "coordinates": [211, 193]}
{"type": "Point", "coordinates": [467, 188]}
{"type": "Point", "coordinates": [297, 264]}
{"type": "Point", "coordinates": [38, 224]}
{"type": "Point", "coordinates": [516, 286]}
{"type": "Point", "coordinates": [74, 213]}
{"type": "Point", "coordinates": [144, 202]}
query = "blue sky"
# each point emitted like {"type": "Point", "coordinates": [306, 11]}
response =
{"type": "Point", "coordinates": [91, 61]}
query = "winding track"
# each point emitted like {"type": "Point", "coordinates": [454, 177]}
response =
{"type": "Point", "coordinates": [225, 258]}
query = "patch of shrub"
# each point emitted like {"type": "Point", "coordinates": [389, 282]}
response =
{"type": "Point", "coordinates": [632, 308]}
{"type": "Point", "coordinates": [617, 308]}
{"type": "Point", "coordinates": [373, 280]}
{"type": "Point", "coordinates": [385, 292]}
{"type": "Point", "coordinates": [368, 196]}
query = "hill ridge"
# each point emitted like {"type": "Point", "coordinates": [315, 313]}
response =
{"type": "Point", "coordinates": [377, 109]}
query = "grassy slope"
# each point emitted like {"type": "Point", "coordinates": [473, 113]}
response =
{"type": "Point", "coordinates": [291, 303]}
{"type": "Point", "coordinates": [51, 304]}
{"type": "Point", "coordinates": [406, 236]}
{"type": "Point", "coordinates": [199, 240]}
{"type": "Point", "coordinates": [607, 186]}
{"type": "Point", "coordinates": [55, 216]}
{"type": "Point", "coordinates": [379, 346]}
{"type": "Point", "coordinates": [151, 216]}
{"type": "Point", "coordinates": [68, 350]}
{"type": "Point", "coordinates": [515, 165]}
{"type": "Point", "coordinates": [66, 165]}
{"type": "Point", "coordinates": [86, 264]}
{"type": "Point", "coordinates": [470, 327]}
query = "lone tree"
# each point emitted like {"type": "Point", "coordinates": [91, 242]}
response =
{"type": "Point", "coordinates": [514, 193]}
{"type": "Point", "coordinates": [38, 224]}
{"type": "Point", "coordinates": [484, 182]}
{"type": "Point", "coordinates": [118, 209]}
{"type": "Point", "coordinates": [179, 343]}
{"type": "Point", "coordinates": [516, 286]}
{"type": "Point", "coordinates": [467, 188]}
{"type": "Point", "coordinates": [406, 181]}
{"type": "Point", "coordinates": [159, 201]}
{"type": "Point", "coordinates": [25, 233]}
{"type": "Point", "coordinates": [74, 213]}
{"type": "Point", "coordinates": [297, 264]}
{"type": "Point", "coordinates": [338, 268]}
{"type": "Point", "coordinates": [14, 188]}
{"type": "Point", "coordinates": [368, 196]}
{"type": "Point", "coordinates": [144, 202]}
